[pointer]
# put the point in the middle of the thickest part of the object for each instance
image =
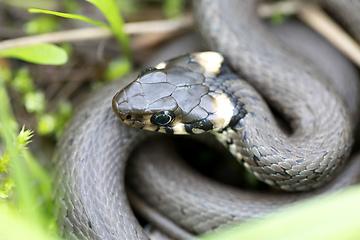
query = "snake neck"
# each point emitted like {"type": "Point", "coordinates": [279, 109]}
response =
{"type": "Point", "coordinates": [320, 141]}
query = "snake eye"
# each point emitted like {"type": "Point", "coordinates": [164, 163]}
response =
{"type": "Point", "coordinates": [163, 118]}
{"type": "Point", "coordinates": [146, 70]}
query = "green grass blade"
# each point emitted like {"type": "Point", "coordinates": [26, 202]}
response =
{"type": "Point", "coordinates": [327, 217]}
{"type": "Point", "coordinates": [111, 12]}
{"type": "Point", "coordinates": [45, 53]}
{"type": "Point", "coordinates": [13, 226]}
{"type": "Point", "coordinates": [69, 15]}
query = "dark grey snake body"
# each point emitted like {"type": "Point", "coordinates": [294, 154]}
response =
{"type": "Point", "coordinates": [90, 161]}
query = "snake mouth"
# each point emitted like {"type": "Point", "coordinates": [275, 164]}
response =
{"type": "Point", "coordinates": [131, 120]}
{"type": "Point", "coordinates": [143, 122]}
{"type": "Point", "coordinates": [136, 121]}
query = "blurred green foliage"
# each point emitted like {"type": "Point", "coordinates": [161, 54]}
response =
{"type": "Point", "coordinates": [331, 217]}
{"type": "Point", "coordinates": [49, 123]}
{"type": "Point", "coordinates": [117, 68]}
{"type": "Point", "coordinates": [42, 24]}
{"type": "Point", "coordinates": [32, 183]}
{"type": "Point", "coordinates": [173, 8]}
{"type": "Point", "coordinates": [44, 53]}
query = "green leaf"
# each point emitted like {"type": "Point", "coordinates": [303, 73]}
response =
{"type": "Point", "coordinates": [173, 8]}
{"type": "Point", "coordinates": [70, 16]}
{"type": "Point", "coordinates": [42, 24]}
{"type": "Point", "coordinates": [118, 68]}
{"type": "Point", "coordinates": [111, 12]}
{"type": "Point", "coordinates": [46, 124]}
{"type": "Point", "coordinates": [35, 102]}
{"type": "Point", "coordinates": [46, 53]}
{"type": "Point", "coordinates": [15, 226]}
{"type": "Point", "coordinates": [23, 82]}
{"type": "Point", "coordinates": [331, 217]}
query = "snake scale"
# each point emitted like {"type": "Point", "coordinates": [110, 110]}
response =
{"type": "Point", "coordinates": [90, 160]}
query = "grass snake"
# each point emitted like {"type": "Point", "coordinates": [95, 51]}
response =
{"type": "Point", "coordinates": [91, 156]}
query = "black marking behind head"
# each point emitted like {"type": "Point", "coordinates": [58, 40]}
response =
{"type": "Point", "coordinates": [169, 130]}
{"type": "Point", "coordinates": [203, 124]}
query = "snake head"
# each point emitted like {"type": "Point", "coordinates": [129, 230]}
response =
{"type": "Point", "coordinates": [176, 97]}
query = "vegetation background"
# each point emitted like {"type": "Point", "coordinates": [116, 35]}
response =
{"type": "Point", "coordinates": [39, 85]}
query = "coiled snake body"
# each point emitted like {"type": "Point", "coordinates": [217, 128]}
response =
{"type": "Point", "coordinates": [91, 157]}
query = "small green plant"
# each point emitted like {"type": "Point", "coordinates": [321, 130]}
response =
{"type": "Point", "coordinates": [173, 8]}
{"type": "Point", "coordinates": [45, 53]}
{"type": "Point", "coordinates": [7, 183]}
{"type": "Point", "coordinates": [42, 24]}
{"type": "Point", "coordinates": [49, 123]}
{"type": "Point", "coordinates": [115, 22]}
{"type": "Point", "coordinates": [117, 67]}
{"type": "Point", "coordinates": [25, 187]}
{"type": "Point", "coordinates": [24, 184]}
